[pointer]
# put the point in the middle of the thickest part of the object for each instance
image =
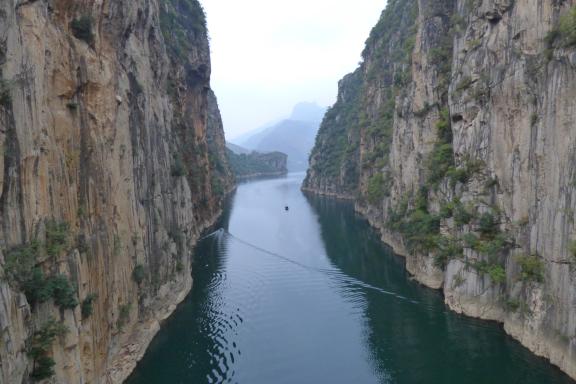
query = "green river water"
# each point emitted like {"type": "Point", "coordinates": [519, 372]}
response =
{"type": "Point", "coordinates": [311, 295]}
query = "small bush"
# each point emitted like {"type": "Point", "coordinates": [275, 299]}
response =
{"type": "Point", "coordinates": [5, 97]}
{"type": "Point", "coordinates": [376, 189]}
{"type": "Point", "coordinates": [448, 249]}
{"type": "Point", "coordinates": [178, 169]}
{"type": "Point", "coordinates": [138, 274]}
{"type": "Point", "coordinates": [462, 216]}
{"type": "Point", "coordinates": [43, 368]}
{"type": "Point", "coordinates": [488, 225]}
{"type": "Point", "coordinates": [123, 316]}
{"type": "Point", "coordinates": [20, 263]}
{"type": "Point", "coordinates": [572, 249]}
{"type": "Point", "coordinates": [36, 287]}
{"type": "Point", "coordinates": [567, 28]}
{"type": "Point", "coordinates": [87, 305]}
{"type": "Point", "coordinates": [38, 347]}
{"type": "Point", "coordinates": [63, 292]}
{"type": "Point", "coordinates": [497, 273]}
{"type": "Point", "coordinates": [493, 246]}
{"type": "Point", "coordinates": [82, 29]}
{"type": "Point", "coordinates": [532, 268]}
{"type": "Point", "coordinates": [56, 237]}
{"type": "Point", "coordinates": [440, 161]}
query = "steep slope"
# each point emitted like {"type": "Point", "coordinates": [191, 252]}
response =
{"type": "Point", "coordinates": [256, 164]}
{"type": "Point", "coordinates": [113, 163]}
{"type": "Point", "coordinates": [455, 139]}
{"type": "Point", "coordinates": [293, 136]}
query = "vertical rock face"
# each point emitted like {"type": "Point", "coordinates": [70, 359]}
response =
{"type": "Point", "coordinates": [456, 139]}
{"type": "Point", "coordinates": [113, 162]}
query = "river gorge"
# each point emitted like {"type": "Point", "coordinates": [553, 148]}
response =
{"type": "Point", "coordinates": [311, 295]}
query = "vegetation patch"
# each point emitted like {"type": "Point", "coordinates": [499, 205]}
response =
{"type": "Point", "coordinates": [38, 349]}
{"type": "Point", "coordinates": [82, 29]}
{"type": "Point", "coordinates": [531, 268]}
{"type": "Point", "coordinates": [5, 97]}
{"type": "Point", "coordinates": [563, 35]}
{"type": "Point", "coordinates": [22, 270]}
{"type": "Point", "coordinates": [123, 316]}
{"type": "Point", "coordinates": [88, 305]}
{"type": "Point", "coordinates": [181, 22]}
{"type": "Point", "coordinates": [139, 274]}
{"type": "Point", "coordinates": [56, 237]}
{"type": "Point", "coordinates": [377, 188]}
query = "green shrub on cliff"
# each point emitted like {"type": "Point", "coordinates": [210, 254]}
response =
{"type": "Point", "coordinates": [376, 188]}
{"type": "Point", "coordinates": [139, 274]}
{"type": "Point", "coordinates": [181, 21]}
{"type": "Point", "coordinates": [82, 28]}
{"type": "Point", "coordinates": [88, 305]}
{"type": "Point", "coordinates": [56, 237]}
{"type": "Point", "coordinates": [564, 33]}
{"type": "Point", "coordinates": [532, 268]}
{"type": "Point", "coordinates": [38, 347]}
{"type": "Point", "coordinates": [5, 98]}
{"type": "Point", "coordinates": [63, 292]}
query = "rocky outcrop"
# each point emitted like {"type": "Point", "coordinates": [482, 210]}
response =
{"type": "Point", "coordinates": [256, 164]}
{"type": "Point", "coordinates": [455, 139]}
{"type": "Point", "coordinates": [113, 163]}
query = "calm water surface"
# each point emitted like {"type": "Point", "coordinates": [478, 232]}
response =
{"type": "Point", "coordinates": [310, 295]}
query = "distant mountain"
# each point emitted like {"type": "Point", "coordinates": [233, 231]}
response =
{"type": "Point", "coordinates": [294, 136]}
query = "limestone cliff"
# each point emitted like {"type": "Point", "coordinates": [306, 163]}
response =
{"type": "Point", "coordinates": [456, 139]}
{"type": "Point", "coordinates": [113, 162]}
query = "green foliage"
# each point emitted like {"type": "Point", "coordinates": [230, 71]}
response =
{"type": "Point", "coordinates": [123, 316]}
{"type": "Point", "coordinates": [496, 272]}
{"type": "Point", "coordinates": [182, 22]}
{"type": "Point", "coordinates": [20, 262]}
{"type": "Point", "coordinates": [572, 249]}
{"type": "Point", "coordinates": [62, 291]}
{"type": "Point", "coordinates": [532, 268]}
{"type": "Point", "coordinates": [448, 249]}
{"type": "Point", "coordinates": [21, 269]}
{"type": "Point", "coordinates": [56, 237]}
{"type": "Point", "coordinates": [256, 163]}
{"type": "Point", "coordinates": [88, 305]}
{"type": "Point", "coordinates": [440, 162]}
{"type": "Point", "coordinates": [43, 368]}
{"type": "Point", "coordinates": [336, 154]}
{"type": "Point", "coordinates": [82, 28]}
{"type": "Point", "coordinates": [5, 97]}
{"type": "Point", "coordinates": [139, 274]}
{"type": "Point", "coordinates": [564, 34]}
{"type": "Point", "coordinates": [38, 347]}
{"type": "Point", "coordinates": [376, 188]}
{"type": "Point", "coordinates": [36, 287]}
{"type": "Point", "coordinates": [178, 168]}
{"type": "Point", "coordinates": [462, 215]}
{"type": "Point", "coordinates": [493, 246]}
{"type": "Point", "coordinates": [444, 127]}
{"type": "Point", "coordinates": [488, 224]}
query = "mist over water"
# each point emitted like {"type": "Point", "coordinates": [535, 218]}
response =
{"type": "Point", "coordinates": [310, 295]}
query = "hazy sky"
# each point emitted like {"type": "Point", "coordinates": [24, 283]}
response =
{"type": "Point", "coordinates": [268, 55]}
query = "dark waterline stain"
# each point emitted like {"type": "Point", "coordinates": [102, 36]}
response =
{"type": "Point", "coordinates": [311, 295]}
